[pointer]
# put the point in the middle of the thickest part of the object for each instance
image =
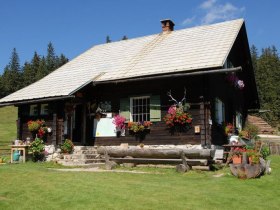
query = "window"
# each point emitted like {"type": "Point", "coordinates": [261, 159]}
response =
{"type": "Point", "coordinates": [144, 108]}
{"type": "Point", "coordinates": [140, 108]}
{"type": "Point", "coordinates": [219, 111]}
{"type": "Point", "coordinates": [33, 110]}
{"type": "Point", "coordinates": [44, 109]}
{"type": "Point", "coordinates": [238, 120]}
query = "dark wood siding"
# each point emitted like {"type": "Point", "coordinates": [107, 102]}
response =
{"type": "Point", "coordinates": [160, 134]}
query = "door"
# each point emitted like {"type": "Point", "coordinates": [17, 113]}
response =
{"type": "Point", "coordinates": [77, 129]}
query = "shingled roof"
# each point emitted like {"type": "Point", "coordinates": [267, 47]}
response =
{"type": "Point", "coordinates": [197, 48]}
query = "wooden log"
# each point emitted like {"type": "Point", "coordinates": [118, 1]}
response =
{"type": "Point", "coordinates": [191, 162]}
{"type": "Point", "coordinates": [137, 152]}
{"type": "Point", "coordinates": [201, 168]}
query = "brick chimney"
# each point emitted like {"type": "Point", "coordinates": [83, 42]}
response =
{"type": "Point", "coordinates": [167, 25]}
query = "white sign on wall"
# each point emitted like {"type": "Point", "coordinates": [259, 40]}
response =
{"type": "Point", "coordinates": [104, 127]}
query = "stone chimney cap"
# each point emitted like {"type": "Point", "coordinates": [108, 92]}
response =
{"type": "Point", "coordinates": [167, 25]}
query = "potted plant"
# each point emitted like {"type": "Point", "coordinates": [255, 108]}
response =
{"type": "Point", "coordinates": [120, 126]}
{"type": "Point", "coordinates": [236, 155]}
{"type": "Point", "coordinates": [253, 156]}
{"type": "Point", "coordinates": [37, 149]}
{"type": "Point", "coordinates": [39, 129]}
{"type": "Point", "coordinates": [2, 160]}
{"type": "Point", "coordinates": [67, 146]}
{"type": "Point", "coordinates": [229, 129]}
{"type": "Point", "coordinates": [139, 129]}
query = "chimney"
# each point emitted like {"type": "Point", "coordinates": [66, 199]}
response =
{"type": "Point", "coordinates": [167, 25]}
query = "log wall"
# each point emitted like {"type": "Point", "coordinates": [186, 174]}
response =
{"type": "Point", "coordinates": [160, 134]}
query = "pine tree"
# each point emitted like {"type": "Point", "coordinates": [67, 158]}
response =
{"type": "Point", "coordinates": [267, 79]}
{"type": "Point", "coordinates": [108, 40]}
{"type": "Point", "coordinates": [124, 37]}
{"type": "Point", "coordinates": [51, 58]}
{"type": "Point", "coordinates": [254, 56]}
{"type": "Point", "coordinates": [30, 70]}
{"type": "Point", "coordinates": [12, 76]}
{"type": "Point", "coordinates": [62, 60]}
{"type": "Point", "coordinates": [43, 69]}
{"type": "Point", "coordinates": [1, 87]}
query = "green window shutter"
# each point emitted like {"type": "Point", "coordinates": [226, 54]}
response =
{"type": "Point", "coordinates": [125, 108]}
{"type": "Point", "coordinates": [155, 108]}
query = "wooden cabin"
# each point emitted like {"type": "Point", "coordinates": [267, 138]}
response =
{"type": "Point", "coordinates": [208, 61]}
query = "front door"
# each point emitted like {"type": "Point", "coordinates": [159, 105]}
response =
{"type": "Point", "coordinates": [78, 125]}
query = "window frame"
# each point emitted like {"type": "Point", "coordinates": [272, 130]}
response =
{"type": "Point", "coordinates": [43, 110]}
{"type": "Point", "coordinates": [33, 110]}
{"type": "Point", "coordinates": [148, 110]}
{"type": "Point", "coordinates": [238, 120]}
{"type": "Point", "coordinates": [219, 111]}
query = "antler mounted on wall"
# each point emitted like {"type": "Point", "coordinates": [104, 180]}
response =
{"type": "Point", "coordinates": [173, 99]}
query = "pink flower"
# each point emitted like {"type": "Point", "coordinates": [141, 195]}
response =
{"type": "Point", "coordinates": [240, 84]}
{"type": "Point", "coordinates": [172, 110]}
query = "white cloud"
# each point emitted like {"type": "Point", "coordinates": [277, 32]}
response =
{"type": "Point", "coordinates": [212, 11]}
{"type": "Point", "coordinates": [219, 12]}
{"type": "Point", "coordinates": [207, 4]}
{"type": "Point", "coordinates": [188, 21]}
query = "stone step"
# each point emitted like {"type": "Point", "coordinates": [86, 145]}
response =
{"type": "Point", "coordinates": [89, 148]}
{"type": "Point", "coordinates": [79, 152]}
{"type": "Point", "coordinates": [84, 156]}
{"type": "Point", "coordinates": [81, 164]}
{"type": "Point", "coordinates": [94, 161]}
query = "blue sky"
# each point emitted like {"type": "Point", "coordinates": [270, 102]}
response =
{"type": "Point", "coordinates": [74, 26]}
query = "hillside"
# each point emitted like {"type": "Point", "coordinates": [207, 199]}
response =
{"type": "Point", "coordinates": [8, 117]}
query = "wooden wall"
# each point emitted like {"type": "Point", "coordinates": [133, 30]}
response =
{"type": "Point", "coordinates": [160, 134]}
{"type": "Point", "coordinates": [201, 92]}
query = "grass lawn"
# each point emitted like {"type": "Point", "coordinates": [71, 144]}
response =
{"type": "Point", "coordinates": [8, 117]}
{"type": "Point", "coordinates": [34, 186]}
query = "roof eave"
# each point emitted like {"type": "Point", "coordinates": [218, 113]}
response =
{"type": "Point", "coordinates": [35, 100]}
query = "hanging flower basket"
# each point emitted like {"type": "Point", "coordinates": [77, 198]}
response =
{"type": "Point", "coordinates": [139, 129]}
{"type": "Point", "coordinates": [177, 120]}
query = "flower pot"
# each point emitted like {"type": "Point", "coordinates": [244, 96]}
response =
{"type": "Point", "coordinates": [236, 159]}
{"type": "Point", "coordinates": [118, 133]}
{"type": "Point", "coordinates": [254, 160]}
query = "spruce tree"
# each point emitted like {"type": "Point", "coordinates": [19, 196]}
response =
{"type": "Point", "coordinates": [43, 69]}
{"type": "Point", "coordinates": [108, 40]}
{"type": "Point", "coordinates": [1, 87]}
{"type": "Point", "coordinates": [51, 59]}
{"type": "Point", "coordinates": [28, 75]}
{"type": "Point", "coordinates": [12, 76]}
{"type": "Point", "coordinates": [62, 60]}
{"type": "Point", "coordinates": [267, 79]}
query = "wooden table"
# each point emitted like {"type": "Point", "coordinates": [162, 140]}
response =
{"type": "Point", "coordinates": [23, 148]}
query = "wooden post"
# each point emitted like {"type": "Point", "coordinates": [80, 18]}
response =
{"type": "Point", "coordinates": [84, 123]}
{"type": "Point", "coordinates": [59, 131]}
{"type": "Point", "coordinates": [203, 128]}
{"type": "Point", "coordinates": [18, 129]}
{"type": "Point", "coordinates": [54, 127]}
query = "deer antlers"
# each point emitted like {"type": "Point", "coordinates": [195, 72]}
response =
{"type": "Point", "coordinates": [173, 99]}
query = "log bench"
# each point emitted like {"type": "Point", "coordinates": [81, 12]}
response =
{"type": "Point", "coordinates": [191, 162]}
{"type": "Point", "coordinates": [184, 159]}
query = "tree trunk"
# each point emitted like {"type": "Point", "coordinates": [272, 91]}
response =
{"type": "Point", "coordinates": [137, 152]}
